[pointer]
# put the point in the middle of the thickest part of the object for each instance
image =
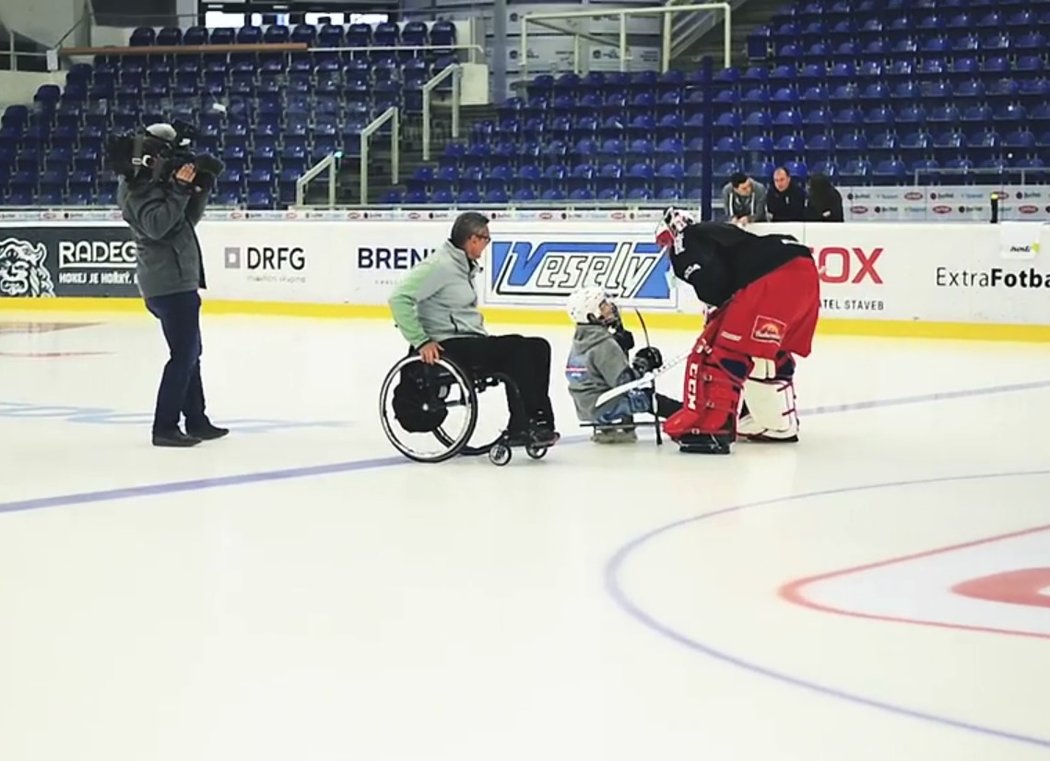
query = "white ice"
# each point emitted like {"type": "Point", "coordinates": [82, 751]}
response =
{"type": "Point", "coordinates": [395, 611]}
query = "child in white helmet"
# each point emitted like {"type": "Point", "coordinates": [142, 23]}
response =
{"type": "Point", "coordinates": [598, 361]}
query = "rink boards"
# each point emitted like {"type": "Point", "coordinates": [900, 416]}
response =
{"type": "Point", "coordinates": [952, 280]}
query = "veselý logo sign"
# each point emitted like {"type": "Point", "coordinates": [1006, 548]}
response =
{"type": "Point", "coordinates": [634, 271]}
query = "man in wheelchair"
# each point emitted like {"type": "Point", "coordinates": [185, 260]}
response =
{"type": "Point", "coordinates": [436, 310]}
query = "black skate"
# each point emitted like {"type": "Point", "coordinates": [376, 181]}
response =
{"type": "Point", "coordinates": [709, 443]}
{"type": "Point", "coordinates": [705, 443]}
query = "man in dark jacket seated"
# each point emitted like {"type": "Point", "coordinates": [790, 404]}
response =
{"type": "Point", "coordinates": [162, 200]}
{"type": "Point", "coordinates": [786, 201]}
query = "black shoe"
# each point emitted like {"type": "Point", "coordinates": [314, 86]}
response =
{"type": "Point", "coordinates": [174, 438]}
{"type": "Point", "coordinates": [542, 434]}
{"type": "Point", "coordinates": [207, 432]}
{"type": "Point", "coordinates": [705, 443]}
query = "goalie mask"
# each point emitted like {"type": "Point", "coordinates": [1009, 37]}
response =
{"type": "Point", "coordinates": [669, 230]}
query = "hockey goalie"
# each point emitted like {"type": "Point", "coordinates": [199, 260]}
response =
{"type": "Point", "coordinates": [764, 297]}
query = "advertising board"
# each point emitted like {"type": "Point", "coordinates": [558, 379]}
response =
{"type": "Point", "coordinates": [45, 260]}
{"type": "Point", "coordinates": [911, 272]}
{"type": "Point", "coordinates": [540, 265]}
{"type": "Point", "coordinates": [276, 261]}
{"type": "Point", "coordinates": [934, 273]}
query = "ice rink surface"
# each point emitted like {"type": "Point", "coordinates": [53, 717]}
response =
{"type": "Point", "coordinates": [299, 590]}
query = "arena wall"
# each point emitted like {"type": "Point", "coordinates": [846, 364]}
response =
{"type": "Point", "coordinates": [953, 280]}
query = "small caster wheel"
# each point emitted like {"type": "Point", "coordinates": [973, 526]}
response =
{"type": "Point", "coordinates": [499, 454]}
{"type": "Point", "coordinates": [536, 453]}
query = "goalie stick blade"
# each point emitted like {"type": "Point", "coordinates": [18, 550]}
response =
{"type": "Point", "coordinates": [648, 379]}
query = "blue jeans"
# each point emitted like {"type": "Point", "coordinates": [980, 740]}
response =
{"type": "Point", "coordinates": [181, 390]}
{"type": "Point", "coordinates": [625, 406]}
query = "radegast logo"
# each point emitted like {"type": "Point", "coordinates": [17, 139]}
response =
{"type": "Point", "coordinates": [97, 254]}
{"type": "Point", "coordinates": [633, 271]}
{"type": "Point", "coordinates": [22, 269]}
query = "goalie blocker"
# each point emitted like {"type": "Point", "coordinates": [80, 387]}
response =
{"type": "Point", "coordinates": [765, 294]}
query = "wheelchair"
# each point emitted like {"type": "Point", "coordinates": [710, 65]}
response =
{"type": "Point", "coordinates": [417, 400]}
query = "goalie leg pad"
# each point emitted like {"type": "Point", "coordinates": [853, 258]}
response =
{"type": "Point", "coordinates": [714, 379]}
{"type": "Point", "coordinates": [770, 411]}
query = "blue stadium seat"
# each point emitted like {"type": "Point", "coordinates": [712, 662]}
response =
{"type": "Point", "coordinates": [871, 90]}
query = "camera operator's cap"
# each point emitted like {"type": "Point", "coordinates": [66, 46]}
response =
{"type": "Point", "coordinates": [165, 132]}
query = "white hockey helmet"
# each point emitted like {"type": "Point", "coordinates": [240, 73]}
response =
{"type": "Point", "coordinates": [585, 306]}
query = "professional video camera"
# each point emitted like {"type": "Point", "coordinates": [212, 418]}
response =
{"type": "Point", "coordinates": [159, 151]}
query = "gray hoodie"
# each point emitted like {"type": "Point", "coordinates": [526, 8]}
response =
{"type": "Point", "coordinates": [596, 363]}
{"type": "Point", "coordinates": [438, 300]}
{"type": "Point", "coordinates": [752, 206]}
{"type": "Point", "coordinates": [162, 219]}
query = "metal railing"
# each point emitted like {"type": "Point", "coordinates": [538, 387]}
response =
{"type": "Point", "coordinates": [329, 162]}
{"type": "Point", "coordinates": [88, 19]}
{"type": "Point", "coordinates": [391, 113]}
{"type": "Point", "coordinates": [690, 27]}
{"type": "Point", "coordinates": [989, 171]}
{"type": "Point", "coordinates": [666, 12]}
{"type": "Point", "coordinates": [456, 73]}
{"type": "Point", "coordinates": [12, 55]}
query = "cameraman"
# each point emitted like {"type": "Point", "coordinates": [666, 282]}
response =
{"type": "Point", "coordinates": [162, 192]}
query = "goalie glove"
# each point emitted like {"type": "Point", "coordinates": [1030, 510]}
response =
{"type": "Point", "coordinates": [647, 360]}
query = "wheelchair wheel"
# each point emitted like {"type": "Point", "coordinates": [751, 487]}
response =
{"type": "Point", "coordinates": [458, 396]}
{"type": "Point", "coordinates": [499, 454]}
{"type": "Point", "coordinates": [536, 453]}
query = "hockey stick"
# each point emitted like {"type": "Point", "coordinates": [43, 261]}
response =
{"type": "Point", "coordinates": [645, 330]}
{"type": "Point", "coordinates": [648, 345]}
{"type": "Point", "coordinates": [647, 379]}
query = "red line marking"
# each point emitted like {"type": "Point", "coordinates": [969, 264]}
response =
{"type": "Point", "coordinates": [1021, 587]}
{"type": "Point", "coordinates": [792, 591]}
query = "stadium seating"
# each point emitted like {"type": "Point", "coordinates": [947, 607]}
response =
{"type": "Point", "coordinates": [869, 92]}
{"type": "Point", "coordinates": [866, 92]}
{"type": "Point", "coordinates": [277, 112]}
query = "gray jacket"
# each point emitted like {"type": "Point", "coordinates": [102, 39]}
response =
{"type": "Point", "coordinates": [596, 363]}
{"type": "Point", "coordinates": [754, 205]}
{"type": "Point", "coordinates": [438, 300]}
{"type": "Point", "coordinates": [162, 219]}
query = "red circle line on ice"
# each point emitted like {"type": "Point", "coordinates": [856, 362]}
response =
{"type": "Point", "coordinates": [1014, 586]}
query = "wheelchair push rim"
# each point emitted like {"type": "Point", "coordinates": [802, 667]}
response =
{"type": "Point", "coordinates": [453, 445]}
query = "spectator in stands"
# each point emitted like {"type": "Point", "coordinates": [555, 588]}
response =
{"type": "Point", "coordinates": [786, 201]}
{"type": "Point", "coordinates": [825, 202]}
{"type": "Point", "coordinates": [162, 204]}
{"type": "Point", "coordinates": [744, 200]}
{"type": "Point", "coordinates": [436, 310]}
